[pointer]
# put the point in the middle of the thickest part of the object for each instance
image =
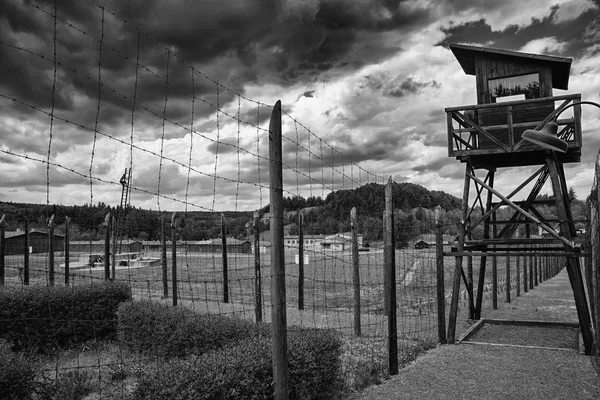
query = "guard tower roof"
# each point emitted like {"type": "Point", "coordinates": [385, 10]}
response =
{"type": "Point", "coordinates": [466, 54]}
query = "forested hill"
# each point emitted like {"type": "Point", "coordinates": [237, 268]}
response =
{"type": "Point", "coordinates": [326, 216]}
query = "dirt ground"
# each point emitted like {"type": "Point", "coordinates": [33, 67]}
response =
{"type": "Point", "coordinates": [469, 371]}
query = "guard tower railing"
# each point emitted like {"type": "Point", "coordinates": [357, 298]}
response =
{"type": "Point", "coordinates": [494, 130]}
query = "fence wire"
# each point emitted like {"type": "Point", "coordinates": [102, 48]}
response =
{"type": "Point", "coordinates": [210, 165]}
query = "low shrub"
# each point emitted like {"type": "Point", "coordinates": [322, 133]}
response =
{"type": "Point", "coordinates": [160, 330]}
{"type": "Point", "coordinates": [244, 370]}
{"type": "Point", "coordinates": [46, 318]}
{"type": "Point", "coordinates": [17, 374]}
{"type": "Point", "coordinates": [72, 385]}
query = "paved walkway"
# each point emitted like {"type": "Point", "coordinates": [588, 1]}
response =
{"type": "Point", "coordinates": [468, 371]}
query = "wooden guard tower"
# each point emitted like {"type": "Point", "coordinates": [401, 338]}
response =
{"type": "Point", "coordinates": [514, 94]}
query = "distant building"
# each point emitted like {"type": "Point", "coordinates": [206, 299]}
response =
{"type": "Point", "coordinates": [14, 242]}
{"type": "Point", "coordinates": [264, 247]}
{"type": "Point", "coordinates": [97, 246]}
{"type": "Point", "coordinates": [216, 246]}
{"type": "Point", "coordinates": [421, 244]}
{"type": "Point", "coordinates": [310, 241]}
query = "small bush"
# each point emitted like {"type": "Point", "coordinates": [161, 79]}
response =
{"type": "Point", "coordinates": [17, 374]}
{"type": "Point", "coordinates": [160, 330]}
{"type": "Point", "coordinates": [44, 318]}
{"type": "Point", "coordinates": [72, 385]}
{"type": "Point", "coordinates": [244, 371]}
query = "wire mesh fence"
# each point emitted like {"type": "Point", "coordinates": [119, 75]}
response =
{"type": "Point", "coordinates": [178, 227]}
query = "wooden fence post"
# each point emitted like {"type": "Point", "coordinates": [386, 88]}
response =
{"type": "Point", "coordinates": [355, 271]}
{"type": "Point", "coordinates": [278, 296]}
{"type": "Point", "coordinates": [2, 250]}
{"type": "Point", "coordinates": [525, 277]}
{"type": "Point", "coordinates": [113, 258]}
{"type": "Point", "coordinates": [536, 260]}
{"type": "Point", "coordinates": [26, 254]}
{"type": "Point", "coordinates": [67, 250]}
{"type": "Point", "coordinates": [224, 258]}
{"type": "Point", "coordinates": [51, 250]}
{"type": "Point", "coordinates": [163, 256]}
{"type": "Point", "coordinates": [469, 285]}
{"type": "Point", "coordinates": [257, 274]}
{"type": "Point", "coordinates": [300, 261]}
{"type": "Point", "coordinates": [389, 248]}
{"type": "Point", "coordinates": [507, 277]}
{"type": "Point", "coordinates": [107, 220]}
{"type": "Point", "coordinates": [439, 269]}
{"type": "Point", "coordinates": [518, 274]}
{"type": "Point", "coordinates": [174, 257]}
{"type": "Point", "coordinates": [386, 289]}
{"type": "Point", "coordinates": [494, 267]}
{"type": "Point", "coordinates": [456, 285]}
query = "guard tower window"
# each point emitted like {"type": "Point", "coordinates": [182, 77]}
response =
{"type": "Point", "coordinates": [519, 87]}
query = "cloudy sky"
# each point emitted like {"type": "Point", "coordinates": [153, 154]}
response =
{"type": "Point", "coordinates": [102, 85]}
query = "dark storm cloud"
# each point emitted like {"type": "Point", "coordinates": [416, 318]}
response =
{"type": "Point", "coordinates": [408, 87]}
{"type": "Point", "coordinates": [513, 37]}
{"type": "Point", "coordinates": [34, 177]}
{"type": "Point", "coordinates": [234, 42]}
{"type": "Point", "coordinates": [433, 166]}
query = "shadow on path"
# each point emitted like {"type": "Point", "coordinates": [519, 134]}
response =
{"type": "Point", "coordinates": [468, 371]}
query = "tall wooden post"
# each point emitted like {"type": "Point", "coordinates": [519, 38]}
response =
{"type": "Point", "coordinates": [483, 261]}
{"type": "Point", "coordinates": [567, 228]}
{"type": "Point", "coordinates": [355, 271]}
{"type": "Point", "coordinates": [174, 257]}
{"type": "Point", "coordinates": [439, 269]}
{"type": "Point", "coordinates": [224, 258]}
{"type": "Point", "coordinates": [494, 268]}
{"type": "Point", "coordinates": [386, 289]}
{"type": "Point", "coordinates": [257, 274]}
{"type": "Point", "coordinates": [163, 256]}
{"type": "Point", "coordinates": [113, 258]}
{"type": "Point", "coordinates": [518, 274]}
{"type": "Point", "coordinates": [390, 249]}
{"type": "Point", "coordinates": [469, 286]}
{"type": "Point", "coordinates": [26, 254]}
{"type": "Point", "coordinates": [107, 220]}
{"type": "Point", "coordinates": [51, 251]}
{"type": "Point", "coordinates": [278, 296]}
{"type": "Point", "coordinates": [2, 250]}
{"type": "Point", "coordinates": [458, 270]}
{"type": "Point", "coordinates": [507, 277]}
{"type": "Point", "coordinates": [525, 265]}
{"type": "Point", "coordinates": [300, 261]}
{"type": "Point", "coordinates": [67, 250]}
{"type": "Point", "coordinates": [536, 261]}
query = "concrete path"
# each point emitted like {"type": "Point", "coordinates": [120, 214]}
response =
{"type": "Point", "coordinates": [468, 371]}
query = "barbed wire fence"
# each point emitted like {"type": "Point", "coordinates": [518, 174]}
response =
{"type": "Point", "coordinates": [211, 164]}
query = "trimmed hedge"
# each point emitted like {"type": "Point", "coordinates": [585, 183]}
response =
{"type": "Point", "coordinates": [17, 374]}
{"type": "Point", "coordinates": [244, 370]}
{"type": "Point", "coordinates": [46, 318]}
{"type": "Point", "coordinates": [160, 330]}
